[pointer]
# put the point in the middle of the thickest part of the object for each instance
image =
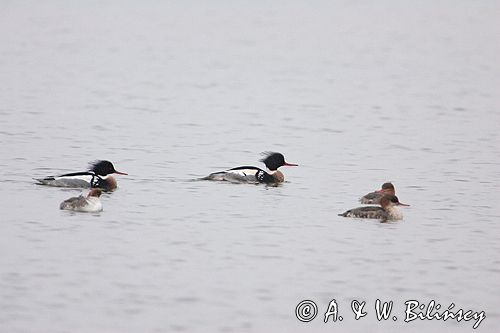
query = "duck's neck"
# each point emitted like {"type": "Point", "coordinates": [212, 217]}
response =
{"type": "Point", "coordinates": [278, 176]}
{"type": "Point", "coordinates": [108, 183]}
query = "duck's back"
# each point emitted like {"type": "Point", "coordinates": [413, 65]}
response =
{"type": "Point", "coordinates": [73, 180]}
{"type": "Point", "coordinates": [242, 174]}
{"type": "Point", "coordinates": [371, 198]}
{"type": "Point", "coordinates": [369, 212]}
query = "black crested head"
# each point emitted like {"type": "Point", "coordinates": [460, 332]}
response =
{"type": "Point", "coordinates": [102, 168]}
{"type": "Point", "coordinates": [273, 160]}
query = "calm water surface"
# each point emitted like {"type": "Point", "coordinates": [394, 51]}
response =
{"type": "Point", "coordinates": [357, 93]}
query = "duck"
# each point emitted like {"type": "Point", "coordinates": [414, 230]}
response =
{"type": "Point", "coordinates": [89, 204]}
{"type": "Point", "coordinates": [385, 212]}
{"type": "Point", "coordinates": [98, 176]}
{"type": "Point", "coordinates": [374, 197]}
{"type": "Point", "coordinates": [252, 174]}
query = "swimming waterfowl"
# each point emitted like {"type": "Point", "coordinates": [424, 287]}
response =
{"type": "Point", "coordinates": [98, 176]}
{"type": "Point", "coordinates": [251, 174]}
{"type": "Point", "coordinates": [374, 197]}
{"type": "Point", "coordinates": [90, 203]}
{"type": "Point", "coordinates": [386, 211]}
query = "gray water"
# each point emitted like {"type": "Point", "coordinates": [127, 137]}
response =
{"type": "Point", "coordinates": [356, 92]}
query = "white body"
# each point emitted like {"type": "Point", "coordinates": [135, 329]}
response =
{"type": "Point", "coordinates": [394, 213]}
{"type": "Point", "coordinates": [79, 181]}
{"type": "Point", "coordinates": [72, 181]}
{"type": "Point", "coordinates": [236, 176]}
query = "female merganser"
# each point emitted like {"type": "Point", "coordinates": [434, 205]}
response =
{"type": "Point", "coordinates": [98, 176]}
{"type": "Point", "coordinates": [374, 197]}
{"type": "Point", "coordinates": [388, 211]}
{"type": "Point", "coordinates": [251, 174]}
{"type": "Point", "coordinates": [91, 203]}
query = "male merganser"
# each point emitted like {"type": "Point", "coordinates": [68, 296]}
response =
{"type": "Point", "coordinates": [388, 211]}
{"type": "Point", "coordinates": [251, 174]}
{"type": "Point", "coordinates": [374, 197]}
{"type": "Point", "coordinates": [91, 203]}
{"type": "Point", "coordinates": [98, 176]}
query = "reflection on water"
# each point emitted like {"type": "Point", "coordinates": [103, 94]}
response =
{"type": "Point", "coordinates": [172, 92]}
